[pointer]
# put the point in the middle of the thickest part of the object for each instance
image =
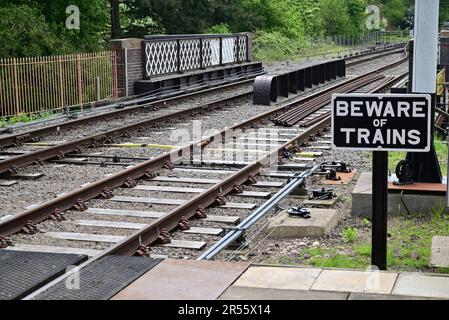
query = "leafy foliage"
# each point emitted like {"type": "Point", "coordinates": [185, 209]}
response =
{"type": "Point", "coordinates": [273, 21]}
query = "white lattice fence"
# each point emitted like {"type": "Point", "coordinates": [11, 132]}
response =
{"type": "Point", "coordinates": [164, 55]}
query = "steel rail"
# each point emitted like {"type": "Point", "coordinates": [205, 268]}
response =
{"type": "Point", "coordinates": [371, 52]}
{"type": "Point", "coordinates": [388, 82]}
{"type": "Point", "coordinates": [259, 213]}
{"type": "Point", "coordinates": [19, 138]}
{"type": "Point", "coordinates": [378, 56]}
{"type": "Point", "coordinates": [67, 201]}
{"type": "Point", "coordinates": [295, 115]}
{"type": "Point", "coordinates": [12, 164]}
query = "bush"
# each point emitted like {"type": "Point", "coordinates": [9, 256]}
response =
{"type": "Point", "coordinates": [24, 32]}
{"type": "Point", "coordinates": [274, 46]}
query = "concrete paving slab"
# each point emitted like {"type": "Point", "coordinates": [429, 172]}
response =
{"type": "Point", "coordinates": [245, 293]}
{"type": "Point", "coordinates": [371, 296]}
{"type": "Point", "coordinates": [419, 285]}
{"type": "Point", "coordinates": [355, 281]}
{"type": "Point", "coordinates": [184, 280]}
{"type": "Point", "coordinates": [278, 278]}
{"type": "Point", "coordinates": [320, 224]}
{"type": "Point", "coordinates": [440, 252]}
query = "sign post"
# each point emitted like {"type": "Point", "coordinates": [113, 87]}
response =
{"type": "Point", "coordinates": [381, 123]}
{"type": "Point", "coordinates": [380, 207]}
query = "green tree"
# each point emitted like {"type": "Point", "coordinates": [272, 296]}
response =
{"type": "Point", "coordinates": [24, 32]}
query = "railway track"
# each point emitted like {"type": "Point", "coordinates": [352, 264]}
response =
{"type": "Point", "coordinates": [13, 163]}
{"type": "Point", "coordinates": [240, 184]}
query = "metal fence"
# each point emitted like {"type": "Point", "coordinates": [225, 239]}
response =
{"type": "Point", "coordinates": [170, 54]}
{"type": "Point", "coordinates": [368, 38]}
{"type": "Point", "coordinates": [45, 84]}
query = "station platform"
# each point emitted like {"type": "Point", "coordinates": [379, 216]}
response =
{"type": "Point", "coordinates": [139, 278]}
{"type": "Point", "coordinates": [199, 280]}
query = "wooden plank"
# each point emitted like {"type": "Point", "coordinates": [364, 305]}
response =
{"type": "Point", "coordinates": [301, 159]}
{"type": "Point", "coordinates": [27, 176]}
{"type": "Point", "coordinates": [187, 180]}
{"type": "Point", "coordinates": [268, 184]}
{"type": "Point", "coordinates": [251, 194]}
{"type": "Point", "coordinates": [222, 219]}
{"type": "Point", "coordinates": [262, 139]}
{"type": "Point", "coordinates": [262, 184]}
{"type": "Point", "coordinates": [232, 205]}
{"type": "Point", "coordinates": [212, 171]}
{"type": "Point", "coordinates": [50, 249]}
{"type": "Point", "coordinates": [242, 145]}
{"type": "Point", "coordinates": [85, 237]}
{"type": "Point", "coordinates": [126, 213]}
{"type": "Point", "coordinates": [206, 231]}
{"type": "Point", "coordinates": [111, 224]}
{"type": "Point", "coordinates": [176, 202]}
{"type": "Point", "coordinates": [170, 189]}
{"type": "Point", "coordinates": [184, 244]}
{"type": "Point", "coordinates": [225, 162]}
{"type": "Point", "coordinates": [278, 175]}
{"type": "Point", "coordinates": [7, 183]}
{"type": "Point", "coordinates": [423, 187]}
{"type": "Point", "coordinates": [169, 202]}
{"type": "Point", "coordinates": [319, 148]}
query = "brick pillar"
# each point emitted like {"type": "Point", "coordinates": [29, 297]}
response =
{"type": "Point", "coordinates": [129, 64]}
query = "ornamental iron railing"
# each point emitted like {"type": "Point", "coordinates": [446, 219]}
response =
{"type": "Point", "coordinates": [165, 54]}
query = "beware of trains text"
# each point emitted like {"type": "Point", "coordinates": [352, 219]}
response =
{"type": "Point", "coordinates": [388, 122]}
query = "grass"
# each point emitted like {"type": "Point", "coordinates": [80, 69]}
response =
{"type": "Point", "coordinates": [409, 245]}
{"type": "Point", "coordinates": [24, 118]}
{"type": "Point", "coordinates": [350, 235]}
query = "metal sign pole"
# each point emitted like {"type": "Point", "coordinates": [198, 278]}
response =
{"type": "Point", "coordinates": [380, 206]}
